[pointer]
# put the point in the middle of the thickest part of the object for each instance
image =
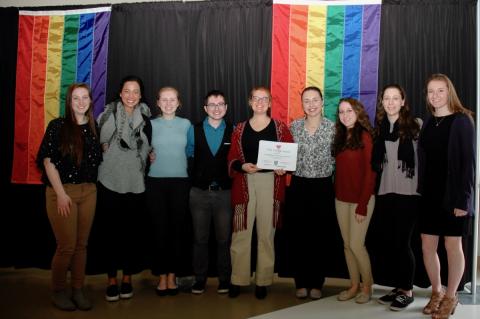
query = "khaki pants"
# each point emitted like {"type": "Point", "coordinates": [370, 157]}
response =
{"type": "Point", "coordinates": [353, 234]}
{"type": "Point", "coordinates": [71, 233]}
{"type": "Point", "coordinates": [259, 208]}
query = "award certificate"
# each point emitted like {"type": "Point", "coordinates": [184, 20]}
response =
{"type": "Point", "coordinates": [277, 155]}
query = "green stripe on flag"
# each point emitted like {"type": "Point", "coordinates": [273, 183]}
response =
{"type": "Point", "coordinates": [333, 59]}
{"type": "Point", "coordinates": [69, 56]}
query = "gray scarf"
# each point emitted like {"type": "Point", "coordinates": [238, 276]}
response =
{"type": "Point", "coordinates": [116, 127]}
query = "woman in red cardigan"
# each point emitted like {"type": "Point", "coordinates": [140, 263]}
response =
{"type": "Point", "coordinates": [256, 194]}
{"type": "Point", "coordinates": [354, 189]}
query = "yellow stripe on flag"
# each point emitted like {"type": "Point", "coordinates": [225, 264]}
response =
{"type": "Point", "coordinates": [54, 68]}
{"type": "Point", "coordinates": [317, 19]}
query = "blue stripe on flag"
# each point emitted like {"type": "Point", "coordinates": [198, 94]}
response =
{"type": "Point", "coordinates": [352, 51]}
{"type": "Point", "coordinates": [85, 48]}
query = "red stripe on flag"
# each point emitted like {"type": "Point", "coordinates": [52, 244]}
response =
{"type": "Point", "coordinates": [37, 110]}
{"type": "Point", "coordinates": [22, 99]}
{"type": "Point", "coordinates": [298, 60]}
{"type": "Point", "coordinates": [280, 56]}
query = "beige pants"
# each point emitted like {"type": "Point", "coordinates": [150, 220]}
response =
{"type": "Point", "coordinates": [71, 233]}
{"type": "Point", "coordinates": [259, 208]}
{"type": "Point", "coordinates": [353, 234]}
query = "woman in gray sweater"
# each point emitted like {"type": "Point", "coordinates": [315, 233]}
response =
{"type": "Point", "coordinates": [395, 161]}
{"type": "Point", "coordinates": [125, 133]}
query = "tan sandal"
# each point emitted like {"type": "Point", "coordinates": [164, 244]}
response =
{"type": "Point", "coordinates": [447, 307]}
{"type": "Point", "coordinates": [363, 297]}
{"type": "Point", "coordinates": [347, 295]}
{"type": "Point", "coordinates": [434, 303]}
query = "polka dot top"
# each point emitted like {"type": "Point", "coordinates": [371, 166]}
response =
{"type": "Point", "coordinates": [69, 172]}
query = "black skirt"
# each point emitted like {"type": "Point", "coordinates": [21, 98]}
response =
{"type": "Point", "coordinates": [435, 220]}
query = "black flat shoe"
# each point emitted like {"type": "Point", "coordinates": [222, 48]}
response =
{"type": "Point", "coordinates": [161, 292]}
{"type": "Point", "coordinates": [172, 291]}
{"type": "Point", "coordinates": [260, 292]}
{"type": "Point", "coordinates": [234, 291]}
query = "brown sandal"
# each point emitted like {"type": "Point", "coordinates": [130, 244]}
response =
{"type": "Point", "coordinates": [434, 303]}
{"type": "Point", "coordinates": [446, 308]}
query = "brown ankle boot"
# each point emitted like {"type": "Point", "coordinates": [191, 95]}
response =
{"type": "Point", "coordinates": [446, 308]}
{"type": "Point", "coordinates": [434, 302]}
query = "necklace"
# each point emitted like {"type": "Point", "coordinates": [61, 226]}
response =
{"type": "Point", "coordinates": [438, 122]}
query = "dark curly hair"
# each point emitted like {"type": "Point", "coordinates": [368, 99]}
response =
{"type": "Point", "coordinates": [351, 138]}
{"type": "Point", "coordinates": [408, 127]}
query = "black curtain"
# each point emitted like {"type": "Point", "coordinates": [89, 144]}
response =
{"type": "Point", "coordinates": [25, 236]}
{"type": "Point", "coordinates": [8, 60]}
{"type": "Point", "coordinates": [195, 47]}
{"type": "Point", "coordinates": [422, 37]}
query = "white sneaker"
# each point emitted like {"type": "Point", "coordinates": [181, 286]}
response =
{"type": "Point", "coordinates": [301, 293]}
{"type": "Point", "coordinates": [315, 294]}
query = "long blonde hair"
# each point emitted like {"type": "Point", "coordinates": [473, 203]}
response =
{"type": "Point", "coordinates": [454, 104]}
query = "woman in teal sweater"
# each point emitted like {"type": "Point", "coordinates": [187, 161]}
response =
{"type": "Point", "coordinates": [168, 189]}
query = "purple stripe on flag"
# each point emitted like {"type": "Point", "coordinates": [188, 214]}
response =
{"type": "Point", "coordinates": [369, 63]}
{"type": "Point", "coordinates": [99, 63]}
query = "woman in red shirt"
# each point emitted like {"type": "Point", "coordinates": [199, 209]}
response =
{"type": "Point", "coordinates": [354, 189]}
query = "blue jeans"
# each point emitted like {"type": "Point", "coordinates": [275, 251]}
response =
{"type": "Point", "coordinates": [205, 205]}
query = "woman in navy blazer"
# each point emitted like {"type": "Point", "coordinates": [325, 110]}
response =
{"type": "Point", "coordinates": [446, 181]}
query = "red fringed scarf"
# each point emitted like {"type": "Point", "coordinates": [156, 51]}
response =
{"type": "Point", "coordinates": [239, 183]}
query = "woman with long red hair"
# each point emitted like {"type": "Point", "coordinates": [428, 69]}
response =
{"type": "Point", "coordinates": [69, 157]}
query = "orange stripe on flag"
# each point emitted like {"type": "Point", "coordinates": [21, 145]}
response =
{"type": "Point", "coordinates": [279, 85]}
{"type": "Point", "coordinates": [297, 65]}
{"type": "Point", "coordinates": [39, 65]}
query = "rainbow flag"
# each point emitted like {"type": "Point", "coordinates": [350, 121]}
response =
{"type": "Point", "coordinates": [55, 49]}
{"type": "Point", "coordinates": [331, 45]}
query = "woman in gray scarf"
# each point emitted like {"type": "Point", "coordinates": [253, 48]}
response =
{"type": "Point", "coordinates": [125, 133]}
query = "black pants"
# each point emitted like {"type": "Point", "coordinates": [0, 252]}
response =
{"type": "Point", "coordinates": [167, 201]}
{"type": "Point", "coordinates": [206, 206]}
{"type": "Point", "coordinates": [123, 213]}
{"type": "Point", "coordinates": [395, 218]}
{"type": "Point", "coordinates": [311, 211]}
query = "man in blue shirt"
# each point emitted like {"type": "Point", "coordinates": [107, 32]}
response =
{"type": "Point", "coordinates": [210, 193]}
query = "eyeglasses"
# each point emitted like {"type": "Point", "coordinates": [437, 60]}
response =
{"type": "Point", "coordinates": [312, 101]}
{"type": "Point", "coordinates": [258, 99]}
{"type": "Point", "coordinates": [213, 106]}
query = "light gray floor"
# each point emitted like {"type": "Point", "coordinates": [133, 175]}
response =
{"type": "Point", "coordinates": [331, 308]}
{"type": "Point", "coordinates": [25, 294]}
